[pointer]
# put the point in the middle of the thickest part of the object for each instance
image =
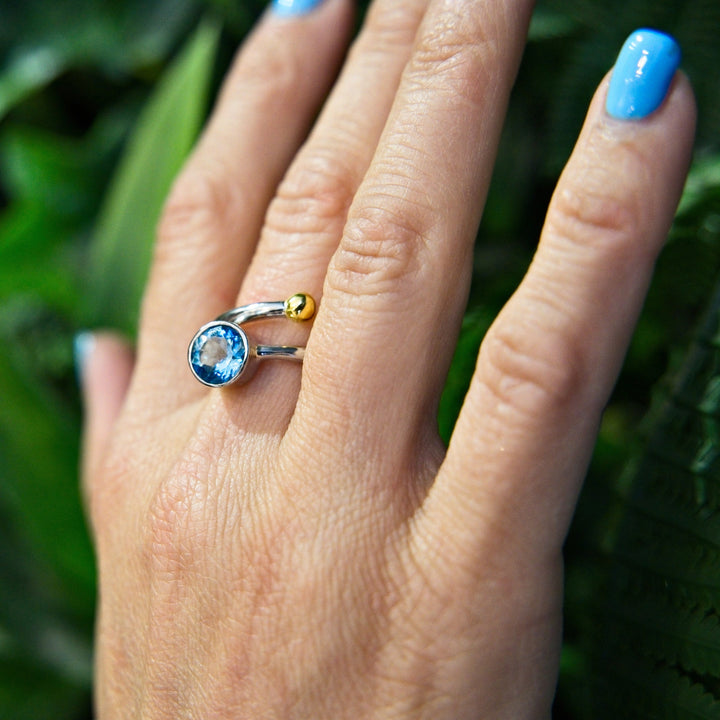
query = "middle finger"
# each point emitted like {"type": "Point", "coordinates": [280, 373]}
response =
{"type": "Point", "coordinates": [397, 285]}
{"type": "Point", "coordinates": [306, 218]}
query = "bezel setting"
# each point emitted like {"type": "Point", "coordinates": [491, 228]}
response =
{"type": "Point", "coordinates": [218, 354]}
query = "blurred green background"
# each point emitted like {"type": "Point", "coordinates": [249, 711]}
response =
{"type": "Point", "coordinates": [99, 105]}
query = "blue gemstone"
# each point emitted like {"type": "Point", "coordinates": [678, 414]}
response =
{"type": "Point", "coordinates": [218, 353]}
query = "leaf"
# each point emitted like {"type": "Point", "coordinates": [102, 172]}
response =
{"type": "Point", "coordinates": [38, 450]}
{"type": "Point", "coordinates": [703, 179]}
{"type": "Point", "coordinates": [474, 327]}
{"type": "Point", "coordinates": [166, 130]}
{"type": "Point", "coordinates": [636, 688]}
{"type": "Point", "coordinates": [51, 171]}
{"type": "Point", "coordinates": [42, 40]}
{"type": "Point", "coordinates": [32, 262]}
{"type": "Point", "coordinates": [661, 607]}
{"type": "Point", "coordinates": [547, 24]}
{"type": "Point", "coordinates": [29, 691]}
{"type": "Point", "coordinates": [36, 630]}
{"type": "Point", "coordinates": [28, 71]}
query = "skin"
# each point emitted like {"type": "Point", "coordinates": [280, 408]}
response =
{"type": "Point", "coordinates": [304, 546]}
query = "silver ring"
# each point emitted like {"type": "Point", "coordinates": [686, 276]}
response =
{"type": "Point", "coordinates": [221, 352]}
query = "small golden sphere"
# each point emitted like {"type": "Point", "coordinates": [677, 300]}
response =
{"type": "Point", "coordinates": [300, 306]}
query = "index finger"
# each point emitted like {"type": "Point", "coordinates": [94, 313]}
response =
{"type": "Point", "coordinates": [212, 220]}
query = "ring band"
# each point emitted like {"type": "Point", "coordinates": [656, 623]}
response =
{"type": "Point", "coordinates": [220, 352]}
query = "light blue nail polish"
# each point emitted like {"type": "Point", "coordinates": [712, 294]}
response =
{"type": "Point", "coordinates": [642, 75]}
{"type": "Point", "coordinates": [293, 8]}
{"type": "Point", "coordinates": [83, 344]}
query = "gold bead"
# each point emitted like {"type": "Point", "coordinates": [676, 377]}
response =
{"type": "Point", "coordinates": [300, 306]}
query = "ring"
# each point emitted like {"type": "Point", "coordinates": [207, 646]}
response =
{"type": "Point", "coordinates": [220, 352]}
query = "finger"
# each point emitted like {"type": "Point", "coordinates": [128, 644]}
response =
{"type": "Point", "coordinates": [547, 366]}
{"type": "Point", "coordinates": [396, 286]}
{"type": "Point", "coordinates": [105, 364]}
{"type": "Point", "coordinates": [213, 217]}
{"type": "Point", "coordinates": [305, 220]}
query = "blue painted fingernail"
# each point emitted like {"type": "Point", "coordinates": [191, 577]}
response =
{"type": "Point", "coordinates": [83, 345]}
{"type": "Point", "coordinates": [293, 8]}
{"type": "Point", "coordinates": [642, 75]}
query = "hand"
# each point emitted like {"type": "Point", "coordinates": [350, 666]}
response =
{"type": "Point", "coordinates": [303, 546]}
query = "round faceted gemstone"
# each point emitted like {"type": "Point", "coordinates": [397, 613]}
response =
{"type": "Point", "coordinates": [218, 353]}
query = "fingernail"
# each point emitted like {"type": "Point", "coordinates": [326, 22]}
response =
{"type": "Point", "coordinates": [293, 8]}
{"type": "Point", "coordinates": [83, 345]}
{"type": "Point", "coordinates": [642, 75]}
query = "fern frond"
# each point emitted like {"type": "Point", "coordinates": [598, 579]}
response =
{"type": "Point", "coordinates": [661, 614]}
{"type": "Point", "coordinates": [669, 632]}
{"type": "Point", "coordinates": [639, 689]}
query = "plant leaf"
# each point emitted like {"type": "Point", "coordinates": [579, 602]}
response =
{"type": "Point", "coordinates": [37, 44]}
{"type": "Point", "coordinates": [166, 130]}
{"type": "Point", "coordinates": [44, 493]}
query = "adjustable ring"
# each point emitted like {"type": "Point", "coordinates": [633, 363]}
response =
{"type": "Point", "coordinates": [220, 352]}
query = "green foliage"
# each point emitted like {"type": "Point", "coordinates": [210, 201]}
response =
{"type": "Point", "coordinates": [660, 614]}
{"type": "Point", "coordinates": [42, 40]}
{"type": "Point", "coordinates": [163, 137]}
{"type": "Point", "coordinates": [53, 182]}
{"type": "Point", "coordinates": [598, 30]}
{"type": "Point", "coordinates": [99, 104]}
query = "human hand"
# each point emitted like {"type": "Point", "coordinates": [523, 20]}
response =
{"type": "Point", "coordinates": [303, 546]}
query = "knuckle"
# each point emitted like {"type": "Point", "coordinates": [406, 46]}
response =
{"type": "Point", "coordinates": [108, 495]}
{"type": "Point", "coordinates": [201, 204]}
{"type": "Point", "coordinates": [104, 495]}
{"type": "Point", "coordinates": [600, 200]}
{"type": "Point", "coordinates": [380, 249]}
{"type": "Point", "coordinates": [389, 26]}
{"type": "Point", "coordinates": [587, 216]}
{"type": "Point", "coordinates": [314, 197]}
{"type": "Point", "coordinates": [178, 524]}
{"type": "Point", "coordinates": [268, 72]}
{"type": "Point", "coordinates": [457, 56]}
{"type": "Point", "coordinates": [531, 373]}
